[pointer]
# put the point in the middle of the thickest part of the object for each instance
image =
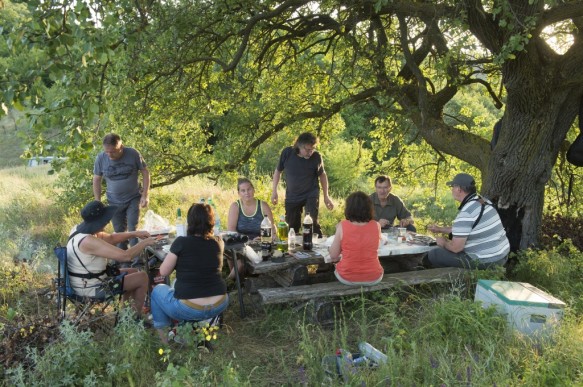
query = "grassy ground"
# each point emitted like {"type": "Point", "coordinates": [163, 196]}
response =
{"type": "Point", "coordinates": [11, 145]}
{"type": "Point", "coordinates": [432, 335]}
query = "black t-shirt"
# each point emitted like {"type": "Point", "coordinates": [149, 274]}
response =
{"type": "Point", "coordinates": [301, 175]}
{"type": "Point", "coordinates": [198, 267]}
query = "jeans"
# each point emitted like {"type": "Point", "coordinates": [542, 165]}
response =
{"type": "Point", "coordinates": [440, 257]}
{"type": "Point", "coordinates": [126, 219]}
{"type": "Point", "coordinates": [165, 308]}
{"type": "Point", "coordinates": [293, 214]}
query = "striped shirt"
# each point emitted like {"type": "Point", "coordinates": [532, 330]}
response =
{"type": "Point", "coordinates": [487, 241]}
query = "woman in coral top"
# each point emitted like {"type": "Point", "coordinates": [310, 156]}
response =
{"type": "Point", "coordinates": [356, 243]}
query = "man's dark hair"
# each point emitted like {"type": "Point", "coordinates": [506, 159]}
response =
{"type": "Point", "coordinates": [111, 139]}
{"type": "Point", "coordinates": [201, 220]}
{"type": "Point", "coordinates": [305, 139]}
{"type": "Point", "coordinates": [359, 207]}
{"type": "Point", "coordinates": [382, 179]}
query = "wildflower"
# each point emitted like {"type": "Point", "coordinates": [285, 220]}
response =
{"type": "Point", "coordinates": [161, 351]}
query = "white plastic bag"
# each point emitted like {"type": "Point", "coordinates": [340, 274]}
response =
{"type": "Point", "coordinates": [252, 255]}
{"type": "Point", "coordinates": [155, 224]}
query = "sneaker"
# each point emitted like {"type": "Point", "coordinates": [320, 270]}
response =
{"type": "Point", "coordinates": [172, 336]}
{"type": "Point", "coordinates": [179, 340]}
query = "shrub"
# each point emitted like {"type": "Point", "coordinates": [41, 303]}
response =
{"type": "Point", "coordinates": [557, 271]}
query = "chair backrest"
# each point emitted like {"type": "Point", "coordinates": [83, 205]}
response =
{"type": "Point", "coordinates": [63, 272]}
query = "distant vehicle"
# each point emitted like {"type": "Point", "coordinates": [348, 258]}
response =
{"type": "Point", "coordinates": [42, 160]}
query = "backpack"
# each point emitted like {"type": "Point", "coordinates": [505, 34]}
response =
{"type": "Point", "coordinates": [575, 151]}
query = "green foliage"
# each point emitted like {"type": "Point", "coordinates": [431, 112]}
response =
{"type": "Point", "coordinates": [557, 271]}
{"type": "Point", "coordinates": [347, 164]}
{"type": "Point", "coordinates": [73, 360]}
{"type": "Point", "coordinates": [430, 337]}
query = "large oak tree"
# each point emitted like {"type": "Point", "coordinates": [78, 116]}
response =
{"type": "Point", "coordinates": [201, 84]}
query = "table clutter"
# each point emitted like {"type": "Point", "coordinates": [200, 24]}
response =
{"type": "Point", "coordinates": [291, 267]}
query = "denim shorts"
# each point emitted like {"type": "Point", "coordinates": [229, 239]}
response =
{"type": "Point", "coordinates": [166, 308]}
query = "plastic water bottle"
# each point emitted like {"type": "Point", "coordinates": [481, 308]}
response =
{"type": "Point", "coordinates": [372, 353]}
{"type": "Point", "coordinates": [344, 363]}
{"type": "Point", "coordinates": [291, 240]}
{"type": "Point", "coordinates": [217, 228]}
{"type": "Point", "coordinates": [266, 238]}
{"type": "Point", "coordinates": [307, 232]}
{"type": "Point", "coordinates": [180, 226]}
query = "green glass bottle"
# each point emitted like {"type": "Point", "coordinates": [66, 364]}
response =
{"type": "Point", "coordinates": [282, 233]}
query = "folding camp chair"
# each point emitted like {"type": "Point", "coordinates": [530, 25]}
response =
{"type": "Point", "coordinates": [84, 307]}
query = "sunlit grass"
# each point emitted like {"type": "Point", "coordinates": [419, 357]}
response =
{"type": "Point", "coordinates": [432, 335]}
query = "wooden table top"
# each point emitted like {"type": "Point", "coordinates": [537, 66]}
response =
{"type": "Point", "coordinates": [316, 256]}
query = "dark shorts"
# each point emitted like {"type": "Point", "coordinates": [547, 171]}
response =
{"type": "Point", "coordinates": [112, 286]}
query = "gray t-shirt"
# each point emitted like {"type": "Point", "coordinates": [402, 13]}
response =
{"type": "Point", "coordinates": [121, 176]}
{"type": "Point", "coordinates": [301, 175]}
{"type": "Point", "coordinates": [395, 208]}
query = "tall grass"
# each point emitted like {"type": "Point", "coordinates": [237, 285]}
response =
{"type": "Point", "coordinates": [434, 335]}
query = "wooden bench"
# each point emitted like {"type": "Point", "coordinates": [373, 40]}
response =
{"type": "Point", "coordinates": [337, 289]}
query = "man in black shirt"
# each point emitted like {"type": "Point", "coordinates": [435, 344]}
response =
{"type": "Point", "coordinates": [303, 167]}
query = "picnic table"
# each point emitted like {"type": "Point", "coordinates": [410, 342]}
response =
{"type": "Point", "coordinates": [319, 254]}
{"type": "Point", "coordinates": [288, 281]}
{"type": "Point", "coordinates": [274, 276]}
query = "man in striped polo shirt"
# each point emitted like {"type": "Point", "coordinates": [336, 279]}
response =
{"type": "Point", "coordinates": [478, 237]}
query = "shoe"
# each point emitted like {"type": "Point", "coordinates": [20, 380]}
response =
{"type": "Point", "coordinates": [206, 345]}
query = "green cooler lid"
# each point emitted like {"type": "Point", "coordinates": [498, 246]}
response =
{"type": "Point", "coordinates": [521, 294]}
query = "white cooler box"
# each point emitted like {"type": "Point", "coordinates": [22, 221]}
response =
{"type": "Point", "coordinates": [528, 309]}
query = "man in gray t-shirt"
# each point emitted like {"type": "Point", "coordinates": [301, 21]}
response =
{"type": "Point", "coordinates": [120, 167]}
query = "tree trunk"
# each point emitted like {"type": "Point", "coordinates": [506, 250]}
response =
{"type": "Point", "coordinates": [540, 109]}
{"type": "Point", "coordinates": [537, 118]}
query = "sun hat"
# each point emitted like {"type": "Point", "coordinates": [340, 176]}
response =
{"type": "Point", "coordinates": [95, 216]}
{"type": "Point", "coordinates": [462, 180]}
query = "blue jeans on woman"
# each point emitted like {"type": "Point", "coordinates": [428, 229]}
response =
{"type": "Point", "coordinates": [165, 308]}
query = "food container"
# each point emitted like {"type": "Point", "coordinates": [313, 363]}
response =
{"type": "Point", "coordinates": [527, 309]}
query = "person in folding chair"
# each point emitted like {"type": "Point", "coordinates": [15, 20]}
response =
{"type": "Point", "coordinates": [88, 250]}
{"type": "Point", "coordinates": [199, 293]}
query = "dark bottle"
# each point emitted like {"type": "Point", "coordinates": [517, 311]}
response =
{"type": "Point", "coordinates": [307, 232]}
{"type": "Point", "coordinates": [266, 238]}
